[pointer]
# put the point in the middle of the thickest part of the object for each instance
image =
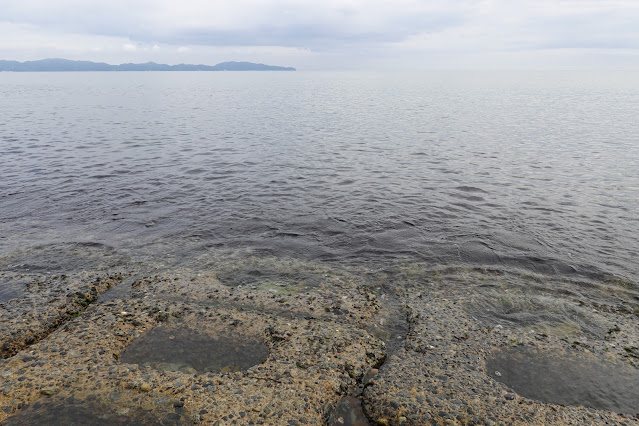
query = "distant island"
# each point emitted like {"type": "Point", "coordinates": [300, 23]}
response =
{"type": "Point", "coordinates": [45, 65]}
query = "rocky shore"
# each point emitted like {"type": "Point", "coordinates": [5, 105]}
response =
{"type": "Point", "coordinates": [229, 346]}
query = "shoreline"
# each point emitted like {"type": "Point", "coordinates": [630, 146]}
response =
{"type": "Point", "coordinates": [325, 342]}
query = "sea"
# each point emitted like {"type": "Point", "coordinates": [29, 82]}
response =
{"type": "Point", "coordinates": [534, 173]}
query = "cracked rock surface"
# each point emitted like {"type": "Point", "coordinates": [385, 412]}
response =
{"type": "Point", "coordinates": [316, 351]}
{"type": "Point", "coordinates": [271, 341]}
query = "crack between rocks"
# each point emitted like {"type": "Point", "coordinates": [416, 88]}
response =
{"type": "Point", "coordinates": [403, 318]}
{"type": "Point", "coordinates": [79, 303]}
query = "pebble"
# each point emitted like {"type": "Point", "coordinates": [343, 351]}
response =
{"type": "Point", "coordinates": [49, 391]}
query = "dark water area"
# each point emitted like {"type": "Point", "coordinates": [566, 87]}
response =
{"type": "Point", "coordinates": [567, 379]}
{"type": "Point", "coordinates": [174, 348]}
{"type": "Point", "coordinates": [8, 290]}
{"type": "Point", "coordinates": [89, 412]}
{"type": "Point", "coordinates": [531, 171]}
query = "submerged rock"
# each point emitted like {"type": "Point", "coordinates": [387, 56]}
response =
{"type": "Point", "coordinates": [568, 378]}
{"type": "Point", "coordinates": [196, 350]}
{"type": "Point", "coordinates": [348, 412]}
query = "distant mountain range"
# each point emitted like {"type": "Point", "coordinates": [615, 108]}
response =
{"type": "Point", "coordinates": [68, 65]}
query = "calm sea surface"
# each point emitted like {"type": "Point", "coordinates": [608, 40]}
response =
{"type": "Point", "coordinates": [514, 195]}
{"type": "Point", "coordinates": [528, 171]}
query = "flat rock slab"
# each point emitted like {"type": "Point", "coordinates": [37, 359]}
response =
{"type": "Point", "coordinates": [317, 352]}
{"type": "Point", "coordinates": [305, 349]}
{"type": "Point", "coordinates": [440, 376]}
{"type": "Point", "coordinates": [45, 303]}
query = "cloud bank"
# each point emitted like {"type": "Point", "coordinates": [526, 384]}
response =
{"type": "Point", "coordinates": [338, 34]}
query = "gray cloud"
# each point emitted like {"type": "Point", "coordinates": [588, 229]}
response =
{"type": "Point", "coordinates": [255, 23]}
{"type": "Point", "coordinates": [402, 32]}
{"type": "Point", "coordinates": [320, 35]}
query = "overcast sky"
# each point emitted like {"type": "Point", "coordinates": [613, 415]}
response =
{"type": "Point", "coordinates": [329, 34]}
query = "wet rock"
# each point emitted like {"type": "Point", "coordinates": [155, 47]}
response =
{"type": "Point", "coordinates": [49, 391]}
{"type": "Point", "coordinates": [195, 350]}
{"type": "Point", "coordinates": [51, 303]}
{"type": "Point", "coordinates": [447, 384]}
{"type": "Point", "coordinates": [348, 412]}
{"type": "Point", "coordinates": [569, 378]}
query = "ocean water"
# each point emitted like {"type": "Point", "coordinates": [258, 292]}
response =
{"type": "Point", "coordinates": [532, 171]}
{"type": "Point", "coordinates": [517, 190]}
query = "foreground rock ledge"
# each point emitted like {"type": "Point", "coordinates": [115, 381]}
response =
{"type": "Point", "coordinates": [440, 377]}
{"type": "Point", "coordinates": [44, 304]}
{"type": "Point", "coordinates": [320, 344]}
{"type": "Point", "coordinates": [314, 359]}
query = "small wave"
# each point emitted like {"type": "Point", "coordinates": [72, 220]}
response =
{"type": "Point", "coordinates": [470, 189]}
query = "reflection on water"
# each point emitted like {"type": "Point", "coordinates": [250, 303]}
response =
{"type": "Point", "coordinates": [565, 378]}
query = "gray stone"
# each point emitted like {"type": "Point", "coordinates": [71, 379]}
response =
{"type": "Point", "coordinates": [49, 391]}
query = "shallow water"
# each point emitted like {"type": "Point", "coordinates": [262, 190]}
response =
{"type": "Point", "coordinates": [175, 348]}
{"type": "Point", "coordinates": [9, 290]}
{"type": "Point", "coordinates": [568, 379]}
{"type": "Point", "coordinates": [520, 170]}
{"type": "Point", "coordinates": [88, 412]}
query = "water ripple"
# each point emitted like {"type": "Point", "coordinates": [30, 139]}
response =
{"type": "Point", "coordinates": [343, 167]}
